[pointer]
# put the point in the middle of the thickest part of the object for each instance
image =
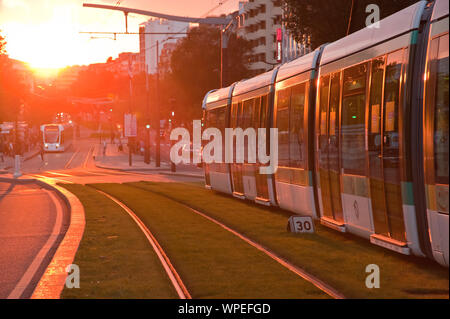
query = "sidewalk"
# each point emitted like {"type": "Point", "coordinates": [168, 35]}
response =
{"type": "Point", "coordinates": [9, 161]}
{"type": "Point", "coordinates": [119, 160]}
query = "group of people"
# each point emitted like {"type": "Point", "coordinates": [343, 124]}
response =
{"type": "Point", "coordinates": [10, 147]}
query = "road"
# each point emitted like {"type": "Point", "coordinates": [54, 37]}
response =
{"type": "Point", "coordinates": [33, 220]}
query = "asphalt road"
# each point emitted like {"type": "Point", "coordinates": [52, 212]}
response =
{"type": "Point", "coordinates": [27, 220]}
{"type": "Point", "coordinates": [29, 214]}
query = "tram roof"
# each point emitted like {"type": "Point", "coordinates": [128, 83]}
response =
{"type": "Point", "coordinates": [390, 27]}
{"type": "Point", "coordinates": [440, 9]}
{"type": "Point", "coordinates": [302, 64]}
{"type": "Point", "coordinates": [254, 83]}
{"type": "Point", "coordinates": [218, 95]}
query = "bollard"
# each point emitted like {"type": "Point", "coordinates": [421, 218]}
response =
{"type": "Point", "coordinates": [17, 172]}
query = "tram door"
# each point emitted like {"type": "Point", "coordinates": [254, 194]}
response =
{"type": "Point", "coordinates": [236, 168]}
{"type": "Point", "coordinates": [260, 119]}
{"type": "Point", "coordinates": [384, 147]}
{"type": "Point", "coordinates": [329, 162]}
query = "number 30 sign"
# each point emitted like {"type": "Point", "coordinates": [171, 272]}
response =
{"type": "Point", "coordinates": [300, 224]}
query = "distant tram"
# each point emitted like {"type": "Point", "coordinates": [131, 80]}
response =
{"type": "Point", "coordinates": [363, 133]}
{"type": "Point", "coordinates": [57, 137]}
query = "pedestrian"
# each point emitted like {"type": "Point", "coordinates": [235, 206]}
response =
{"type": "Point", "coordinates": [104, 147]}
{"type": "Point", "coordinates": [41, 150]}
{"type": "Point", "coordinates": [2, 147]}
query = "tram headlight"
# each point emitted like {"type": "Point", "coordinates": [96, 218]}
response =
{"type": "Point", "coordinates": [46, 145]}
{"type": "Point", "coordinates": [57, 145]}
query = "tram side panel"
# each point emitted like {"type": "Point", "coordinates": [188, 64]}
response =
{"type": "Point", "coordinates": [361, 110]}
{"type": "Point", "coordinates": [436, 133]}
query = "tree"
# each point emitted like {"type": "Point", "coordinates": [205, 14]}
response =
{"type": "Point", "coordinates": [11, 88]}
{"type": "Point", "coordinates": [327, 21]}
{"type": "Point", "coordinates": [195, 68]}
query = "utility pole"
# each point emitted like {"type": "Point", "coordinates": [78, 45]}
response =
{"type": "Point", "coordinates": [225, 24]}
{"type": "Point", "coordinates": [130, 139]}
{"type": "Point", "coordinates": [158, 129]}
{"type": "Point", "coordinates": [147, 124]}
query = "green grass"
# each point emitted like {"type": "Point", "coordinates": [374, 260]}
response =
{"type": "Point", "coordinates": [115, 258]}
{"type": "Point", "coordinates": [212, 262]}
{"type": "Point", "coordinates": [338, 259]}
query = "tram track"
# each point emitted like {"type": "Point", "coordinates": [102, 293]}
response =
{"type": "Point", "coordinates": [323, 286]}
{"type": "Point", "coordinates": [170, 270]}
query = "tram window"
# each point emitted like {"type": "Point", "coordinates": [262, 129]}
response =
{"type": "Point", "coordinates": [353, 120]}
{"type": "Point", "coordinates": [247, 114]}
{"type": "Point", "coordinates": [220, 124]}
{"type": "Point", "coordinates": [256, 114]}
{"type": "Point", "coordinates": [441, 113]}
{"type": "Point", "coordinates": [376, 91]}
{"type": "Point", "coordinates": [263, 116]}
{"type": "Point", "coordinates": [324, 88]}
{"type": "Point", "coordinates": [283, 100]}
{"type": "Point", "coordinates": [239, 116]}
{"type": "Point", "coordinates": [391, 97]}
{"type": "Point", "coordinates": [296, 134]}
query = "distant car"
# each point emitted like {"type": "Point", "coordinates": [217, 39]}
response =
{"type": "Point", "coordinates": [190, 148]}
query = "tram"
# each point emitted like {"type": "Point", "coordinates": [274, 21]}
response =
{"type": "Point", "coordinates": [57, 137]}
{"type": "Point", "coordinates": [363, 127]}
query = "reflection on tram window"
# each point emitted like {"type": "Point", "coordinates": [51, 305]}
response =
{"type": "Point", "coordinates": [353, 120]}
{"type": "Point", "coordinates": [290, 124]}
{"type": "Point", "coordinates": [283, 100]}
{"type": "Point", "coordinates": [441, 114]}
{"type": "Point", "coordinates": [296, 125]}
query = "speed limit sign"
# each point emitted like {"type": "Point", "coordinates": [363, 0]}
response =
{"type": "Point", "coordinates": [301, 224]}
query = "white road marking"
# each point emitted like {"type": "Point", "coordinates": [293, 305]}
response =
{"type": "Point", "coordinates": [71, 159]}
{"type": "Point", "coordinates": [37, 261]}
{"type": "Point", "coordinates": [59, 174]}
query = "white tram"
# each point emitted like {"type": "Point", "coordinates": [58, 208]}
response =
{"type": "Point", "coordinates": [363, 127]}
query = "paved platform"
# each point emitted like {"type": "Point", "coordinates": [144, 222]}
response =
{"type": "Point", "coordinates": [112, 158]}
{"type": "Point", "coordinates": [8, 162]}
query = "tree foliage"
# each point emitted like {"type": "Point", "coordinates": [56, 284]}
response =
{"type": "Point", "coordinates": [195, 67]}
{"type": "Point", "coordinates": [327, 21]}
{"type": "Point", "coordinates": [11, 88]}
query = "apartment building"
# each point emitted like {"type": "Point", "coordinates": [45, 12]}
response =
{"type": "Point", "coordinates": [148, 42]}
{"type": "Point", "coordinates": [259, 21]}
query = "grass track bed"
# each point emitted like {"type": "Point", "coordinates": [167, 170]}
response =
{"type": "Point", "coordinates": [115, 258]}
{"type": "Point", "coordinates": [338, 259]}
{"type": "Point", "coordinates": [212, 262]}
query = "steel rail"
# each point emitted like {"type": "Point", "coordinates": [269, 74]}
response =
{"type": "Point", "coordinates": [174, 277]}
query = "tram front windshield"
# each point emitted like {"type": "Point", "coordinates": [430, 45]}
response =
{"type": "Point", "coordinates": [51, 134]}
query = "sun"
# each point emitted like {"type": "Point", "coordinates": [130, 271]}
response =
{"type": "Point", "coordinates": [51, 44]}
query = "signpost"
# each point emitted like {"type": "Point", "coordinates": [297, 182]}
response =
{"type": "Point", "coordinates": [301, 224]}
{"type": "Point", "coordinates": [130, 131]}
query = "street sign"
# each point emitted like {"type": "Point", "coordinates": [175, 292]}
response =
{"type": "Point", "coordinates": [279, 45]}
{"type": "Point", "coordinates": [301, 224]}
{"type": "Point", "coordinates": [130, 125]}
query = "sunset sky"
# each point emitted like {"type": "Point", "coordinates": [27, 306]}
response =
{"type": "Point", "coordinates": [45, 33]}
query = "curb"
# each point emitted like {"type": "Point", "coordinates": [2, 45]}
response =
{"type": "Point", "coordinates": [130, 169]}
{"type": "Point", "coordinates": [163, 171]}
{"type": "Point", "coordinates": [53, 280]}
{"type": "Point", "coordinates": [24, 159]}
{"type": "Point", "coordinates": [183, 174]}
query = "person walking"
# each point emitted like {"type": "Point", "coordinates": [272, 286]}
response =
{"type": "Point", "coordinates": [41, 150]}
{"type": "Point", "coordinates": [2, 149]}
